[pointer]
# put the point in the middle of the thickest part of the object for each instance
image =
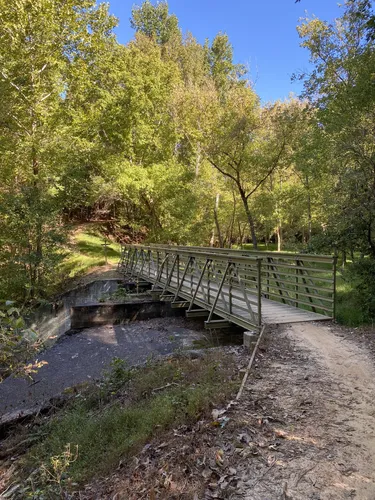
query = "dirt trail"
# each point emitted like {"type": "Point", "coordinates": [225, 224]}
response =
{"type": "Point", "coordinates": [304, 429]}
{"type": "Point", "coordinates": [349, 410]}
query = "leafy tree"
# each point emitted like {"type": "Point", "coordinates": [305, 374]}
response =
{"type": "Point", "coordinates": [44, 45]}
{"type": "Point", "coordinates": [341, 86]}
{"type": "Point", "coordinates": [249, 143]}
{"type": "Point", "coordinates": [155, 22]}
{"type": "Point", "coordinates": [220, 57]}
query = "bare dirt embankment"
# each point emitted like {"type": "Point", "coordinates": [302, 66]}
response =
{"type": "Point", "coordinates": [303, 429]}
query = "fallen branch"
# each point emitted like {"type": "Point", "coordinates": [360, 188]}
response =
{"type": "Point", "coordinates": [164, 386]}
{"type": "Point", "coordinates": [250, 364]}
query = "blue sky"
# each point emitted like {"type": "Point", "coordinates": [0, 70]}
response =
{"type": "Point", "coordinates": [262, 32]}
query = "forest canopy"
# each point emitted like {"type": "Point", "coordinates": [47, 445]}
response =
{"type": "Point", "coordinates": [166, 140]}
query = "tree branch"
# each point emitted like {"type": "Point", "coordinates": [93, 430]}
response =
{"type": "Point", "coordinates": [223, 171]}
{"type": "Point", "coordinates": [272, 169]}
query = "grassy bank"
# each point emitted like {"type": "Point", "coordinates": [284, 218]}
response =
{"type": "Point", "coordinates": [111, 422]}
{"type": "Point", "coordinates": [86, 252]}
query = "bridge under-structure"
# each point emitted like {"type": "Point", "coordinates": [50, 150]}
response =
{"type": "Point", "coordinates": [225, 286]}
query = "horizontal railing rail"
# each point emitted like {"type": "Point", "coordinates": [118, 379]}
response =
{"type": "Point", "coordinates": [228, 286]}
{"type": "Point", "coordinates": [231, 283]}
{"type": "Point", "coordinates": [289, 278]}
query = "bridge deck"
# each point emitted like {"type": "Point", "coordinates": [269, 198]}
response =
{"type": "Point", "coordinates": [272, 312]}
{"type": "Point", "coordinates": [231, 287]}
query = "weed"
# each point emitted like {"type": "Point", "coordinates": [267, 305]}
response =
{"type": "Point", "coordinates": [138, 405]}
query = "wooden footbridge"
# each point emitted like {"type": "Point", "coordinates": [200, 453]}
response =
{"type": "Point", "coordinates": [247, 288]}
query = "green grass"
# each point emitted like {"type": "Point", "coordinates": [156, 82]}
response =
{"type": "Point", "coordinates": [86, 251]}
{"type": "Point", "coordinates": [269, 247]}
{"type": "Point", "coordinates": [348, 311]}
{"type": "Point", "coordinates": [262, 247]}
{"type": "Point", "coordinates": [113, 422]}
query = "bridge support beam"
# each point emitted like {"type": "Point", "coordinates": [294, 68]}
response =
{"type": "Point", "coordinates": [197, 313]}
{"type": "Point", "coordinates": [217, 323]}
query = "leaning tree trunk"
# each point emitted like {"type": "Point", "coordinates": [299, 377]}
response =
{"type": "Point", "coordinates": [250, 219]}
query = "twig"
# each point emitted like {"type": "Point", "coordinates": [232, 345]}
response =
{"type": "Point", "coordinates": [250, 364]}
{"type": "Point", "coordinates": [304, 474]}
{"type": "Point", "coordinates": [262, 476]}
{"type": "Point", "coordinates": [164, 386]}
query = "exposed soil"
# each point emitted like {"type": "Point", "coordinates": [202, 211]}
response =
{"type": "Point", "coordinates": [303, 429]}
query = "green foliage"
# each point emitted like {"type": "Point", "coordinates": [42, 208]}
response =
{"type": "Point", "coordinates": [341, 88]}
{"type": "Point", "coordinates": [48, 52]}
{"type": "Point", "coordinates": [361, 275]}
{"type": "Point", "coordinates": [155, 21]}
{"type": "Point", "coordinates": [17, 344]}
{"type": "Point", "coordinates": [118, 375]}
{"type": "Point", "coordinates": [166, 139]}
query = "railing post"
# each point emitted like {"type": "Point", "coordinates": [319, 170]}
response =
{"type": "Point", "coordinates": [259, 274]}
{"type": "Point", "coordinates": [209, 282]}
{"type": "Point", "coordinates": [296, 283]}
{"type": "Point", "coordinates": [219, 291]}
{"type": "Point", "coordinates": [178, 269]}
{"type": "Point", "coordinates": [179, 286]}
{"type": "Point", "coordinates": [230, 293]}
{"type": "Point", "coordinates": [166, 268]}
{"type": "Point", "coordinates": [169, 276]}
{"type": "Point", "coordinates": [207, 263]}
{"type": "Point", "coordinates": [334, 285]}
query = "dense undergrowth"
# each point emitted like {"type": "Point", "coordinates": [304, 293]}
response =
{"type": "Point", "coordinates": [110, 421]}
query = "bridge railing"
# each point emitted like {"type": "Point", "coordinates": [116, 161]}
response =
{"type": "Point", "coordinates": [229, 286]}
{"type": "Point", "coordinates": [301, 280]}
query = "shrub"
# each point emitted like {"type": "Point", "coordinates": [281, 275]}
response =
{"type": "Point", "coordinates": [362, 276]}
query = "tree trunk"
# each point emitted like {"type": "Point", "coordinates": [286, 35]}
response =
{"type": "Point", "coordinates": [232, 221]}
{"type": "Point", "coordinates": [279, 237]}
{"type": "Point", "coordinates": [240, 234]}
{"type": "Point", "coordinates": [249, 219]}
{"type": "Point", "coordinates": [212, 240]}
{"type": "Point", "coordinates": [198, 160]}
{"type": "Point", "coordinates": [217, 220]}
{"type": "Point", "coordinates": [343, 259]}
